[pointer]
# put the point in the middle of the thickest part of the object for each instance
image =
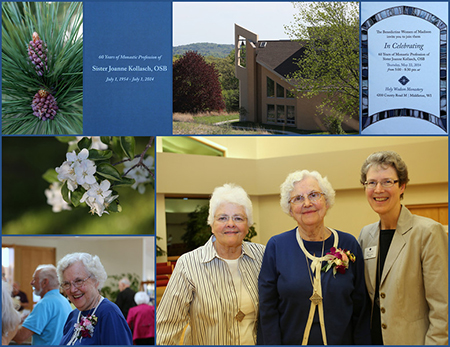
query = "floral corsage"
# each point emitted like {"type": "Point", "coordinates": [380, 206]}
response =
{"type": "Point", "coordinates": [338, 259]}
{"type": "Point", "coordinates": [86, 326]}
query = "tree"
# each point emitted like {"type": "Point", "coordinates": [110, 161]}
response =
{"type": "Point", "coordinates": [196, 86]}
{"type": "Point", "coordinates": [90, 174]}
{"type": "Point", "coordinates": [42, 68]}
{"type": "Point", "coordinates": [228, 81]}
{"type": "Point", "coordinates": [330, 65]}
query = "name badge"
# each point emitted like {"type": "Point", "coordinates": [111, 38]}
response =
{"type": "Point", "coordinates": [370, 252]}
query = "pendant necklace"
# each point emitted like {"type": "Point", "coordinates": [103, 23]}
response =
{"type": "Point", "coordinates": [316, 298]}
{"type": "Point", "coordinates": [240, 315]}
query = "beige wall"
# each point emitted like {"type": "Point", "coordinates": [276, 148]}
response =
{"type": "Point", "coordinates": [117, 254]}
{"type": "Point", "coordinates": [271, 159]}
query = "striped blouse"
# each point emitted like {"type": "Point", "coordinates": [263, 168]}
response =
{"type": "Point", "coordinates": [201, 293]}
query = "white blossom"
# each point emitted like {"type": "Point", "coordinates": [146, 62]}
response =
{"type": "Point", "coordinates": [96, 196]}
{"type": "Point", "coordinates": [77, 170]}
{"type": "Point", "coordinates": [66, 172]}
{"type": "Point", "coordinates": [140, 174]}
{"type": "Point", "coordinates": [96, 142]}
{"type": "Point", "coordinates": [85, 172]}
{"type": "Point", "coordinates": [55, 199]}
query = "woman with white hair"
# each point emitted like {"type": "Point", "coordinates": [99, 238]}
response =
{"type": "Point", "coordinates": [10, 317]}
{"type": "Point", "coordinates": [141, 320]}
{"type": "Point", "coordinates": [311, 285]}
{"type": "Point", "coordinates": [214, 289]}
{"type": "Point", "coordinates": [96, 320]}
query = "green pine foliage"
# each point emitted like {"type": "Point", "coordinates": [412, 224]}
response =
{"type": "Point", "coordinates": [60, 26]}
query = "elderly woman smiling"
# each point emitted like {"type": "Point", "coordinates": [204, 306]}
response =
{"type": "Point", "coordinates": [311, 285]}
{"type": "Point", "coordinates": [96, 320]}
{"type": "Point", "coordinates": [214, 288]}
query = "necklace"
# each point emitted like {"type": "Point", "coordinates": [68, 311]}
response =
{"type": "Point", "coordinates": [316, 298]}
{"type": "Point", "coordinates": [233, 265]}
{"type": "Point", "coordinates": [78, 327]}
{"type": "Point", "coordinates": [240, 315]}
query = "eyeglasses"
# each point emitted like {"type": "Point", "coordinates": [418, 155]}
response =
{"type": "Point", "coordinates": [300, 199]}
{"type": "Point", "coordinates": [223, 218]}
{"type": "Point", "coordinates": [386, 183]}
{"type": "Point", "coordinates": [76, 283]}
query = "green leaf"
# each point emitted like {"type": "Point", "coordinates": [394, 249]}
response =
{"type": "Point", "coordinates": [128, 145]}
{"type": "Point", "coordinates": [114, 207]}
{"type": "Point", "coordinates": [124, 182]}
{"type": "Point", "coordinates": [116, 147]}
{"type": "Point", "coordinates": [77, 195]}
{"type": "Point", "coordinates": [65, 192]}
{"type": "Point", "coordinates": [105, 139]}
{"type": "Point", "coordinates": [85, 142]}
{"type": "Point", "coordinates": [96, 155]}
{"type": "Point", "coordinates": [66, 139]}
{"type": "Point", "coordinates": [108, 171]}
{"type": "Point", "coordinates": [50, 176]}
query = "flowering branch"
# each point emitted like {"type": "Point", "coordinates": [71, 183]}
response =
{"type": "Point", "coordinates": [87, 177]}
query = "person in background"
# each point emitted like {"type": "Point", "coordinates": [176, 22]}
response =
{"type": "Point", "coordinates": [213, 289]}
{"type": "Point", "coordinates": [311, 284]}
{"type": "Point", "coordinates": [96, 320]}
{"type": "Point", "coordinates": [406, 261]}
{"type": "Point", "coordinates": [141, 320]}
{"type": "Point", "coordinates": [16, 292]}
{"type": "Point", "coordinates": [10, 317]}
{"type": "Point", "coordinates": [45, 322]}
{"type": "Point", "coordinates": [125, 298]}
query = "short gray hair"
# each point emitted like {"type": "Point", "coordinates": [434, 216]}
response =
{"type": "Point", "coordinates": [386, 159]}
{"type": "Point", "coordinates": [288, 185]}
{"type": "Point", "coordinates": [230, 193]}
{"type": "Point", "coordinates": [48, 271]}
{"type": "Point", "coordinates": [141, 298]}
{"type": "Point", "coordinates": [91, 263]}
{"type": "Point", "coordinates": [125, 281]}
{"type": "Point", "coordinates": [10, 317]}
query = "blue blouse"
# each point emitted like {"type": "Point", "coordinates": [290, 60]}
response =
{"type": "Point", "coordinates": [111, 327]}
{"type": "Point", "coordinates": [285, 288]}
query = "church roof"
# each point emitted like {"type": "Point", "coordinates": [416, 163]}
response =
{"type": "Point", "coordinates": [280, 56]}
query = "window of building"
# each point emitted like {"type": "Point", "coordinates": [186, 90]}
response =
{"type": "Point", "coordinates": [242, 52]}
{"type": "Point", "coordinates": [280, 114]}
{"type": "Point", "coordinates": [290, 115]}
{"type": "Point", "coordinates": [280, 91]}
{"type": "Point", "coordinates": [270, 88]}
{"type": "Point", "coordinates": [271, 113]}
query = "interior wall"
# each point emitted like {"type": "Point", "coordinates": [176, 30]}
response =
{"type": "Point", "coordinates": [117, 254]}
{"type": "Point", "coordinates": [338, 158]}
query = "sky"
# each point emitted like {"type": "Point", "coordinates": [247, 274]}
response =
{"type": "Point", "coordinates": [213, 22]}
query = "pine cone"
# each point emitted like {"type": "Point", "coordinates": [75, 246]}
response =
{"type": "Point", "coordinates": [37, 52]}
{"type": "Point", "coordinates": [44, 105]}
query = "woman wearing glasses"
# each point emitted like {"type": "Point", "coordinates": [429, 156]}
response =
{"type": "Point", "coordinates": [311, 285]}
{"type": "Point", "coordinates": [96, 320]}
{"type": "Point", "coordinates": [406, 261]}
{"type": "Point", "coordinates": [214, 288]}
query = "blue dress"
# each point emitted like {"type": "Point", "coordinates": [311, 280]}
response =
{"type": "Point", "coordinates": [111, 327]}
{"type": "Point", "coordinates": [285, 288]}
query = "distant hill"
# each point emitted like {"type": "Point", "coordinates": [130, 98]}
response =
{"type": "Point", "coordinates": [205, 48]}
